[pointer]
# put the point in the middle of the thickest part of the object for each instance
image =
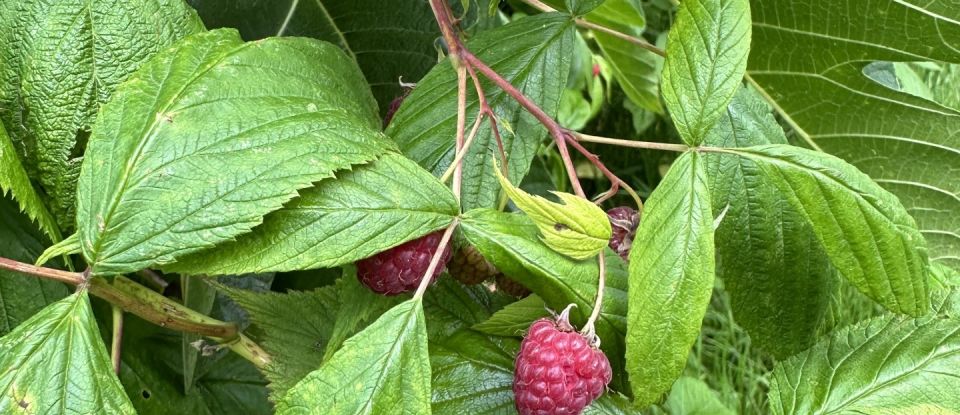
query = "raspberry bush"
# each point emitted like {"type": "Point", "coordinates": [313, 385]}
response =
{"type": "Point", "coordinates": [479, 207]}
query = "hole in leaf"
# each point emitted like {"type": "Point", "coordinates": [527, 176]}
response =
{"type": "Point", "coordinates": [79, 143]}
{"type": "Point", "coordinates": [145, 393]}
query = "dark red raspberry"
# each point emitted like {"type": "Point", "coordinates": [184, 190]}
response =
{"type": "Point", "coordinates": [395, 105]}
{"type": "Point", "coordinates": [400, 269]}
{"type": "Point", "coordinates": [511, 287]}
{"type": "Point", "coordinates": [624, 221]}
{"type": "Point", "coordinates": [470, 267]}
{"type": "Point", "coordinates": [557, 370]}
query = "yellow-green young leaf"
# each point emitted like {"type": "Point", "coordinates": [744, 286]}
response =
{"type": "Point", "coordinates": [384, 369]}
{"type": "Point", "coordinates": [576, 228]}
{"type": "Point", "coordinates": [671, 278]}
{"type": "Point", "coordinates": [706, 57]}
{"type": "Point", "coordinates": [56, 363]}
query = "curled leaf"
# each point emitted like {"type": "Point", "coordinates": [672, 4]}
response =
{"type": "Point", "coordinates": [576, 227]}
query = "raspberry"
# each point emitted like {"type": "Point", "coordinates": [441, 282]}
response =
{"type": "Point", "coordinates": [395, 105]}
{"type": "Point", "coordinates": [624, 221]}
{"type": "Point", "coordinates": [470, 267]}
{"type": "Point", "coordinates": [511, 287]}
{"type": "Point", "coordinates": [401, 268]}
{"type": "Point", "coordinates": [557, 370]}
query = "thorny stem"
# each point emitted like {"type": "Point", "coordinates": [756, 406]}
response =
{"type": "Point", "coordinates": [151, 306]}
{"type": "Point", "coordinates": [116, 345]}
{"type": "Point", "coordinates": [435, 260]}
{"type": "Point", "coordinates": [598, 28]}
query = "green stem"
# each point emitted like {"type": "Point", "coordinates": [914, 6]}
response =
{"type": "Point", "coordinates": [631, 143]}
{"type": "Point", "coordinates": [599, 28]}
{"type": "Point", "coordinates": [150, 306]}
{"type": "Point", "coordinates": [162, 311]}
{"type": "Point", "coordinates": [117, 340]}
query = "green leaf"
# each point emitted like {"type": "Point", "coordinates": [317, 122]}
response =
{"type": "Point", "coordinates": [458, 353]}
{"type": "Point", "coordinates": [388, 42]}
{"type": "Point", "coordinates": [200, 296]}
{"type": "Point", "coordinates": [692, 396]}
{"type": "Point", "coordinates": [943, 81]}
{"type": "Point", "coordinates": [635, 68]}
{"type": "Point", "coordinates": [358, 308]}
{"type": "Point", "coordinates": [14, 181]}
{"type": "Point", "coordinates": [814, 75]}
{"type": "Point", "coordinates": [706, 57]}
{"type": "Point", "coordinates": [514, 319]}
{"type": "Point", "coordinates": [576, 227]}
{"type": "Point", "coordinates": [671, 278]}
{"type": "Point", "coordinates": [158, 182]}
{"type": "Point", "coordinates": [868, 235]}
{"type": "Point", "coordinates": [301, 330]}
{"type": "Point", "coordinates": [765, 247]}
{"type": "Point", "coordinates": [509, 241]}
{"type": "Point", "coordinates": [152, 375]}
{"type": "Point", "coordinates": [294, 328]}
{"type": "Point", "coordinates": [368, 210]}
{"type": "Point", "coordinates": [533, 53]}
{"type": "Point", "coordinates": [886, 365]}
{"type": "Point", "coordinates": [60, 61]}
{"type": "Point", "coordinates": [56, 362]}
{"type": "Point", "coordinates": [21, 295]}
{"type": "Point", "coordinates": [581, 7]}
{"type": "Point", "coordinates": [383, 369]}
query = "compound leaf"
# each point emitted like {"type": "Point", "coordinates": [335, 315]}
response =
{"type": "Point", "coordinates": [577, 227]}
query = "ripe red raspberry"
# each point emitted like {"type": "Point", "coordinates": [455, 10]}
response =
{"type": "Point", "coordinates": [401, 268]}
{"type": "Point", "coordinates": [511, 287]}
{"type": "Point", "coordinates": [557, 370]}
{"type": "Point", "coordinates": [470, 267]}
{"type": "Point", "coordinates": [624, 221]}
